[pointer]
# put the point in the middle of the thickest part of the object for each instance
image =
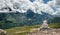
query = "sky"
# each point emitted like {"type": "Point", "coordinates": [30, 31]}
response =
{"type": "Point", "coordinates": [32, 0]}
{"type": "Point", "coordinates": [51, 7]}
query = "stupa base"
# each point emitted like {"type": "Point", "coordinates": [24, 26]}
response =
{"type": "Point", "coordinates": [42, 29]}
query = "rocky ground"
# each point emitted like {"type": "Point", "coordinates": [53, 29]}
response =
{"type": "Point", "coordinates": [46, 32]}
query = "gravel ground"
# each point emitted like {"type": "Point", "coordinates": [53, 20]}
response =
{"type": "Point", "coordinates": [47, 32]}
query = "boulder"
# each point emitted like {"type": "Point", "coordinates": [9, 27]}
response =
{"type": "Point", "coordinates": [2, 32]}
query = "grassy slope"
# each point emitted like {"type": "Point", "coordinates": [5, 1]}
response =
{"type": "Point", "coordinates": [26, 29]}
{"type": "Point", "coordinates": [20, 30]}
{"type": "Point", "coordinates": [54, 25]}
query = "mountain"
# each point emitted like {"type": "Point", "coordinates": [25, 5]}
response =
{"type": "Point", "coordinates": [8, 20]}
{"type": "Point", "coordinates": [56, 20]}
{"type": "Point", "coordinates": [15, 19]}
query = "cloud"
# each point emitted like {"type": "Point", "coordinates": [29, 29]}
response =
{"type": "Point", "coordinates": [56, 5]}
{"type": "Point", "coordinates": [43, 7]}
{"type": "Point", "coordinates": [58, 2]}
{"type": "Point", "coordinates": [37, 6]}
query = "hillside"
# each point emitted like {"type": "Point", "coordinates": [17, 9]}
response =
{"type": "Point", "coordinates": [56, 20]}
{"type": "Point", "coordinates": [9, 20]}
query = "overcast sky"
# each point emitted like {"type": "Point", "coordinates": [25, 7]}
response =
{"type": "Point", "coordinates": [48, 6]}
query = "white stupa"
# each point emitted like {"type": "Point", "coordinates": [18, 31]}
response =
{"type": "Point", "coordinates": [44, 25]}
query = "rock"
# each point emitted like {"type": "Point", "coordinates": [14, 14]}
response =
{"type": "Point", "coordinates": [2, 32]}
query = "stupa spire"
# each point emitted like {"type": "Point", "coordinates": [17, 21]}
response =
{"type": "Point", "coordinates": [44, 18]}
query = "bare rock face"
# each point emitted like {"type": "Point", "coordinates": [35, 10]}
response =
{"type": "Point", "coordinates": [2, 32]}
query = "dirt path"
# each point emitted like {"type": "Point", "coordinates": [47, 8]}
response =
{"type": "Point", "coordinates": [47, 32]}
